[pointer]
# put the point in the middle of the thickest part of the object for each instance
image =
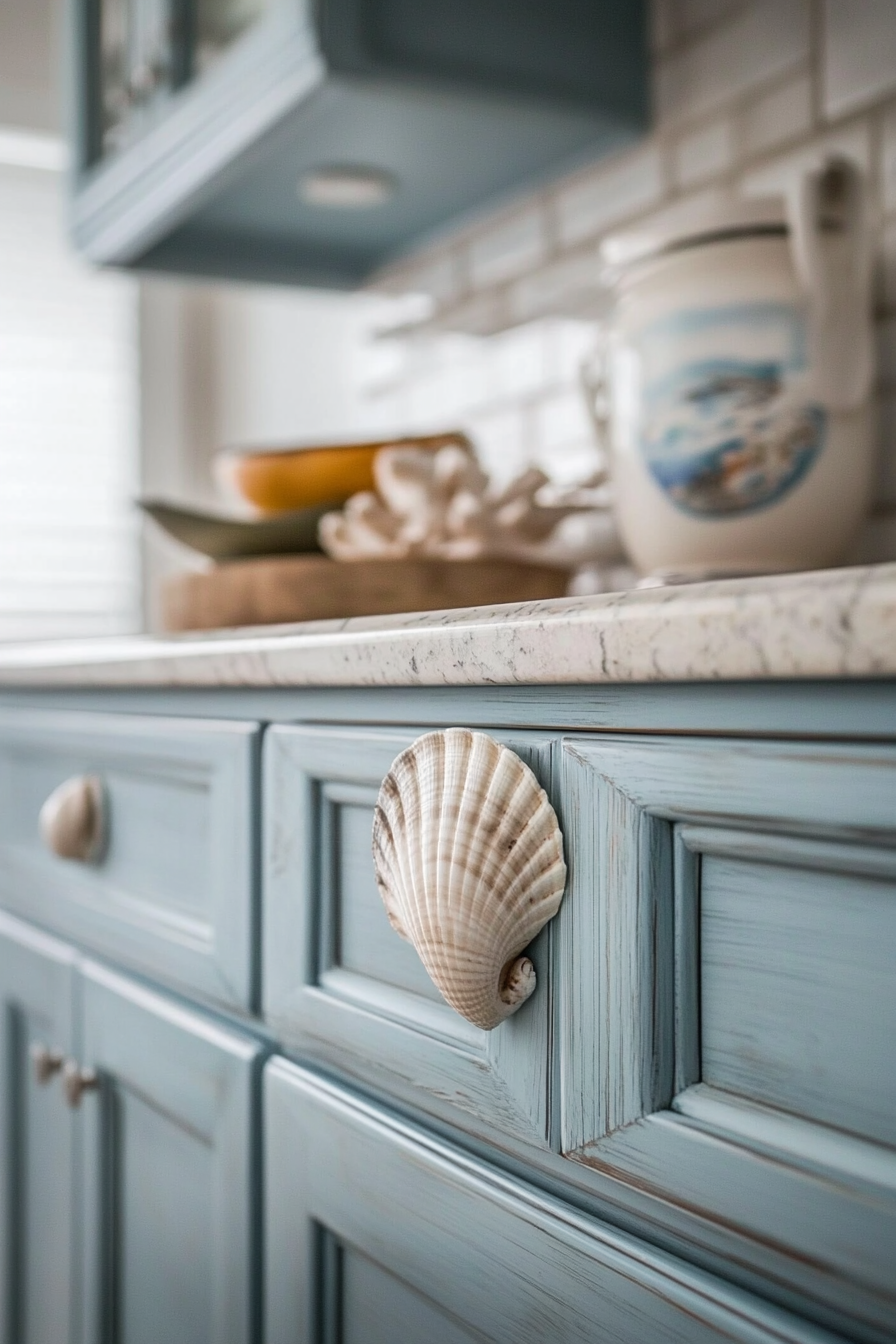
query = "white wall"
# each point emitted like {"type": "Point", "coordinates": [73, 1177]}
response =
{"type": "Point", "coordinates": [226, 366]}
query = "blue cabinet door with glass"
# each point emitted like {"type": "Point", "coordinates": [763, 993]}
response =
{"type": "Point", "coordinates": [284, 141]}
{"type": "Point", "coordinates": [129, 1158]}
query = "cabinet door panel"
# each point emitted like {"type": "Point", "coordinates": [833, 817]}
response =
{"type": "Point", "coordinates": [169, 1170]}
{"type": "Point", "coordinates": [340, 985]}
{"type": "Point", "coordinates": [727, 1000]}
{"type": "Point", "coordinates": [375, 1307]}
{"type": "Point", "coordinates": [37, 1217]}
{"type": "Point", "coordinates": [783, 952]}
{"type": "Point", "coordinates": [376, 1231]}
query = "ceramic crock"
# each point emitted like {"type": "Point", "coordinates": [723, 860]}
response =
{"type": "Point", "coordinates": [739, 370]}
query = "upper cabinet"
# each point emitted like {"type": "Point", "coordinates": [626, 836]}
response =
{"type": "Point", "coordinates": [312, 141]}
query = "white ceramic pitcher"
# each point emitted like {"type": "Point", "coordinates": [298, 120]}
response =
{"type": "Point", "coordinates": [739, 367]}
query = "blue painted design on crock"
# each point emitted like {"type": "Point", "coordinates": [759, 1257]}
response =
{"type": "Point", "coordinates": [726, 435]}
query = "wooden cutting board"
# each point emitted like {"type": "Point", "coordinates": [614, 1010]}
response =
{"type": "Point", "coordinates": [281, 589]}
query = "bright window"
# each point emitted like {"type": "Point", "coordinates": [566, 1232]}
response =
{"type": "Point", "coordinates": [69, 534]}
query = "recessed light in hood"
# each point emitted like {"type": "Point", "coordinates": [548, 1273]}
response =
{"type": "Point", "coordinates": [347, 188]}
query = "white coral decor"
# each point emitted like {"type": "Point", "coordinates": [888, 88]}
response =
{"type": "Point", "coordinates": [440, 505]}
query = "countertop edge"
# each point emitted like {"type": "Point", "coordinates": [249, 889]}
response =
{"type": "Point", "coordinates": [815, 625]}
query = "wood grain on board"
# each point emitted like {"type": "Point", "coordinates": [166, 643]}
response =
{"type": "Point", "coordinates": [278, 589]}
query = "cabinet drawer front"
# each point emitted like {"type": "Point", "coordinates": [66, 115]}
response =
{"type": "Point", "coordinates": [340, 985]}
{"type": "Point", "coordinates": [376, 1232]}
{"type": "Point", "coordinates": [171, 892]}
{"type": "Point", "coordinates": [726, 945]}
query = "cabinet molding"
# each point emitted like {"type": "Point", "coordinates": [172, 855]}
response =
{"type": "Point", "coordinates": [728, 996]}
{"type": "Point", "coordinates": [371, 1209]}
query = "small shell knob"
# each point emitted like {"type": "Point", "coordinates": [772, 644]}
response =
{"type": "Point", "coordinates": [45, 1061]}
{"type": "Point", "coordinates": [469, 862]}
{"type": "Point", "coordinates": [73, 819]}
{"type": "Point", "coordinates": [76, 1081]}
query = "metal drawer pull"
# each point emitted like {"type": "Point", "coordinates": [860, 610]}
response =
{"type": "Point", "coordinates": [73, 819]}
{"type": "Point", "coordinates": [76, 1081]}
{"type": "Point", "coordinates": [468, 856]}
{"type": "Point", "coordinates": [45, 1061]}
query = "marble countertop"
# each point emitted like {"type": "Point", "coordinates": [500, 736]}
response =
{"type": "Point", "coordinates": [833, 623]}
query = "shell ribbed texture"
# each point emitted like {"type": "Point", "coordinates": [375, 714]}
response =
{"type": "Point", "coordinates": [469, 862]}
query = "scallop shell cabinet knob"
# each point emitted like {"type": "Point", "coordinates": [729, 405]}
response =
{"type": "Point", "coordinates": [468, 856]}
{"type": "Point", "coordinates": [73, 819]}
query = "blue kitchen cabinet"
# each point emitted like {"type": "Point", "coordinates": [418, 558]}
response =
{"type": "Point", "coordinates": [37, 1138]}
{"type": "Point", "coordinates": [129, 1182]}
{"type": "Point", "coordinates": [685, 1134]}
{"type": "Point", "coordinates": [280, 140]}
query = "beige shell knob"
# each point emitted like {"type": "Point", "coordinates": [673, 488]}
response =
{"type": "Point", "coordinates": [469, 862]}
{"type": "Point", "coordinates": [73, 819]}
{"type": "Point", "coordinates": [76, 1081]}
{"type": "Point", "coordinates": [45, 1061]}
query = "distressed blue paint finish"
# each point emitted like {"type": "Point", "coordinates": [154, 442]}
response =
{"type": "Point", "coordinates": [174, 892]}
{"type": "Point", "coordinates": [168, 1165]}
{"type": "Point", "coordinates": [340, 986]}
{"type": "Point", "coordinates": [37, 1193]}
{"type": "Point", "coordinates": [817, 709]}
{"type": "Point", "coordinates": [449, 1250]}
{"type": "Point", "coordinates": [710, 1045]}
{"type": "Point", "coordinates": [727, 998]}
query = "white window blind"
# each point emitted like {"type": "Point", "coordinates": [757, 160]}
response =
{"type": "Point", "coordinates": [69, 535]}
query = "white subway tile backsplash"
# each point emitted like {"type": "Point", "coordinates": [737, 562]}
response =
{"type": "Point", "coordinates": [681, 212]}
{"type": "Point", "coordinates": [572, 284]}
{"type": "Point", "coordinates": [629, 183]}
{"type": "Point", "coordinates": [779, 116]}
{"type": "Point", "coordinates": [569, 463]}
{"type": "Point", "coordinates": [562, 419]}
{"type": "Point", "coordinates": [692, 15]}
{"type": "Point", "coordinates": [380, 364]}
{"type": "Point", "coordinates": [753, 46]}
{"type": "Point", "coordinates": [704, 154]}
{"type": "Point", "coordinates": [502, 442]}
{"type": "Point", "coordinates": [859, 61]}
{"type": "Point", "coordinates": [519, 361]}
{"type": "Point", "coordinates": [481, 314]}
{"type": "Point", "coordinates": [515, 245]}
{"type": "Point", "coordinates": [569, 344]}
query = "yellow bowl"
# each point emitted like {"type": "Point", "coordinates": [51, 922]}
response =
{"type": "Point", "coordinates": [301, 478]}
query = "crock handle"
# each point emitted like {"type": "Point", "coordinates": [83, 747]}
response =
{"type": "Point", "coordinates": [832, 254]}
